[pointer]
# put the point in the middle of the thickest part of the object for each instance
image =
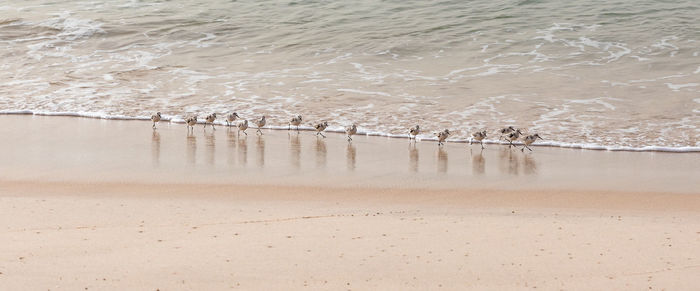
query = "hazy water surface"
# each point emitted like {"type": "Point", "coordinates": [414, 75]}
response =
{"type": "Point", "coordinates": [606, 74]}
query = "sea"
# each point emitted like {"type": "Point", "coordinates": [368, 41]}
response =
{"type": "Point", "coordinates": [589, 74]}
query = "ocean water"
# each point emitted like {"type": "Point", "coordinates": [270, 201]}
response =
{"type": "Point", "coordinates": [588, 74]}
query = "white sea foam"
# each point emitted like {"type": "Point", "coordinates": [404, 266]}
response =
{"type": "Point", "coordinates": [600, 100]}
{"type": "Point", "coordinates": [364, 92]}
{"type": "Point", "coordinates": [678, 87]}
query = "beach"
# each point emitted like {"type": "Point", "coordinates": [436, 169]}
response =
{"type": "Point", "coordinates": [113, 204]}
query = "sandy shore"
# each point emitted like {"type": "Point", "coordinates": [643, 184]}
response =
{"type": "Point", "coordinates": [113, 205]}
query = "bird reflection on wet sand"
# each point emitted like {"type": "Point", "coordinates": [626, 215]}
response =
{"type": "Point", "coordinates": [320, 153]}
{"type": "Point", "coordinates": [210, 147]}
{"type": "Point", "coordinates": [191, 148]}
{"type": "Point", "coordinates": [442, 160]}
{"type": "Point", "coordinates": [529, 165]}
{"type": "Point", "coordinates": [478, 163]}
{"type": "Point", "coordinates": [242, 149]}
{"type": "Point", "coordinates": [260, 145]}
{"type": "Point", "coordinates": [515, 163]}
{"type": "Point", "coordinates": [155, 148]}
{"type": "Point", "coordinates": [295, 150]}
{"type": "Point", "coordinates": [351, 153]}
{"type": "Point", "coordinates": [231, 137]}
{"type": "Point", "coordinates": [412, 157]}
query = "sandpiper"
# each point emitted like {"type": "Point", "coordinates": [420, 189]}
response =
{"type": "Point", "coordinates": [505, 131]}
{"type": "Point", "coordinates": [442, 136]}
{"type": "Point", "coordinates": [528, 140]}
{"type": "Point", "coordinates": [191, 122]}
{"type": "Point", "coordinates": [480, 136]}
{"type": "Point", "coordinates": [242, 126]}
{"type": "Point", "coordinates": [513, 136]}
{"type": "Point", "coordinates": [321, 127]}
{"type": "Point", "coordinates": [210, 119]}
{"type": "Point", "coordinates": [296, 121]}
{"type": "Point", "coordinates": [414, 131]}
{"type": "Point", "coordinates": [155, 118]}
{"type": "Point", "coordinates": [260, 123]}
{"type": "Point", "coordinates": [350, 131]}
{"type": "Point", "coordinates": [231, 118]}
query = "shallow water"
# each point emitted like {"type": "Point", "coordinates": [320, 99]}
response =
{"type": "Point", "coordinates": [591, 74]}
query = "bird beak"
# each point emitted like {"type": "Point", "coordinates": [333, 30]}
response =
{"type": "Point", "coordinates": [540, 138]}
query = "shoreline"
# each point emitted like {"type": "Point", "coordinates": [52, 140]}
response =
{"type": "Point", "coordinates": [333, 129]}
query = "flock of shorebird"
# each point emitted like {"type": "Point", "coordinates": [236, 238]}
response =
{"type": "Point", "coordinates": [510, 133]}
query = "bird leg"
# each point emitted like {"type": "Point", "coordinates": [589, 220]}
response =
{"type": "Point", "coordinates": [482, 144]}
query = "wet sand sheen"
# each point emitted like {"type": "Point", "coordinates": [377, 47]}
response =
{"type": "Point", "coordinates": [101, 204]}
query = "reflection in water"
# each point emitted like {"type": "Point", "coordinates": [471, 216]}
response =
{"type": "Point", "coordinates": [503, 160]}
{"type": "Point", "coordinates": [478, 163]}
{"type": "Point", "coordinates": [320, 153]}
{"type": "Point", "coordinates": [243, 149]}
{"type": "Point", "coordinates": [513, 163]}
{"type": "Point", "coordinates": [260, 145]}
{"type": "Point", "coordinates": [295, 149]}
{"type": "Point", "coordinates": [412, 157]}
{"type": "Point", "coordinates": [210, 139]}
{"type": "Point", "coordinates": [232, 145]}
{"type": "Point", "coordinates": [155, 148]}
{"type": "Point", "coordinates": [191, 148]}
{"type": "Point", "coordinates": [530, 165]}
{"type": "Point", "coordinates": [516, 163]}
{"type": "Point", "coordinates": [350, 156]}
{"type": "Point", "coordinates": [442, 160]}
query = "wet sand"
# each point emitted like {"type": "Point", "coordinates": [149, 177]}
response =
{"type": "Point", "coordinates": [109, 204]}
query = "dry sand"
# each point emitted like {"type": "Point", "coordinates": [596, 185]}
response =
{"type": "Point", "coordinates": [113, 205]}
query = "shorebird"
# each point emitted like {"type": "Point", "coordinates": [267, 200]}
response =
{"type": "Point", "coordinates": [528, 140]}
{"type": "Point", "coordinates": [480, 136]}
{"type": "Point", "coordinates": [505, 131]}
{"type": "Point", "coordinates": [231, 118]}
{"type": "Point", "coordinates": [191, 121]}
{"type": "Point", "coordinates": [242, 126]}
{"type": "Point", "coordinates": [414, 131]}
{"type": "Point", "coordinates": [260, 123]}
{"type": "Point", "coordinates": [321, 127]}
{"type": "Point", "coordinates": [351, 130]}
{"type": "Point", "coordinates": [210, 119]}
{"type": "Point", "coordinates": [295, 121]}
{"type": "Point", "coordinates": [155, 118]}
{"type": "Point", "coordinates": [513, 136]}
{"type": "Point", "coordinates": [442, 136]}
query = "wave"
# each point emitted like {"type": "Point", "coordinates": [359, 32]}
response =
{"type": "Point", "coordinates": [370, 132]}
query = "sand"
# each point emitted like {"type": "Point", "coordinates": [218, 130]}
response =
{"type": "Point", "coordinates": [114, 205]}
